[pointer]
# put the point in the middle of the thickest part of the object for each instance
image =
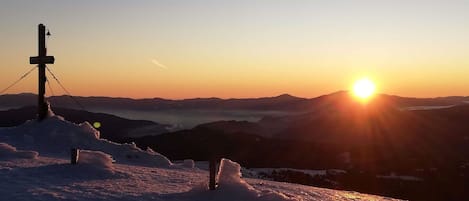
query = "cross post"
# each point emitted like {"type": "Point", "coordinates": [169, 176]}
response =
{"type": "Point", "coordinates": [41, 60]}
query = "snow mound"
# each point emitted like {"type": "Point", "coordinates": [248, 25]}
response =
{"type": "Point", "coordinates": [229, 179]}
{"type": "Point", "coordinates": [55, 136]}
{"type": "Point", "coordinates": [232, 188]}
{"type": "Point", "coordinates": [9, 152]}
{"type": "Point", "coordinates": [229, 174]}
{"type": "Point", "coordinates": [96, 159]}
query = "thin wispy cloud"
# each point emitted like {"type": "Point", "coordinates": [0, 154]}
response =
{"type": "Point", "coordinates": [157, 63]}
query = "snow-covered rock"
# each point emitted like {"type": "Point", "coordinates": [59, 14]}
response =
{"type": "Point", "coordinates": [8, 152]}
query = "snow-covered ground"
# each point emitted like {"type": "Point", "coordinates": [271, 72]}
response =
{"type": "Point", "coordinates": [35, 165]}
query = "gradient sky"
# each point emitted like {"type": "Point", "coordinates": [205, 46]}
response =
{"type": "Point", "coordinates": [244, 48]}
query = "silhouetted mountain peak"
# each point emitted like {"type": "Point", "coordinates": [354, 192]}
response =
{"type": "Point", "coordinates": [286, 96]}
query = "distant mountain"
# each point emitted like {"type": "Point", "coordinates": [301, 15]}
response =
{"type": "Point", "coordinates": [112, 127]}
{"type": "Point", "coordinates": [334, 115]}
{"type": "Point", "coordinates": [381, 129]}
{"type": "Point", "coordinates": [17, 100]}
{"type": "Point", "coordinates": [283, 102]}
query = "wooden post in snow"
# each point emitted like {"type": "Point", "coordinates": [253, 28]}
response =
{"type": "Point", "coordinates": [74, 155]}
{"type": "Point", "coordinates": [212, 166]}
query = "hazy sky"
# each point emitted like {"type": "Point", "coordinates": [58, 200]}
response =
{"type": "Point", "coordinates": [225, 48]}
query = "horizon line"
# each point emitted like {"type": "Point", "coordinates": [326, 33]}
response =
{"type": "Point", "coordinates": [232, 98]}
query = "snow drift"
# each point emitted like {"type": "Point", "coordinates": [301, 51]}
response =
{"type": "Point", "coordinates": [9, 152]}
{"type": "Point", "coordinates": [95, 159]}
{"type": "Point", "coordinates": [55, 136]}
{"type": "Point", "coordinates": [229, 175]}
{"type": "Point", "coordinates": [232, 187]}
{"type": "Point", "coordinates": [229, 180]}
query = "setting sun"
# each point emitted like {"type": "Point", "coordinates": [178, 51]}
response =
{"type": "Point", "coordinates": [364, 88]}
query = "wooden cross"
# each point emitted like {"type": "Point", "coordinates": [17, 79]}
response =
{"type": "Point", "coordinates": [41, 60]}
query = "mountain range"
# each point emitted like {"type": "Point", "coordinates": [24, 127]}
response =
{"type": "Point", "coordinates": [283, 102]}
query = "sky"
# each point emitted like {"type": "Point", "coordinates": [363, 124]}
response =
{"type": "Point", "coordinates": [237, 49]}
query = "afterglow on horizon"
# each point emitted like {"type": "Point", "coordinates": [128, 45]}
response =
{"type": "Point", "coordinates": [238, 49]}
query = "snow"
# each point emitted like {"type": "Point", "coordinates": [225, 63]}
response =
{"type": "Point", "coordinates": [229, 179]}
{"type": "Point", "coordinates": [231, 186]}
{"type": "Point", "coordinates": [55, 137]}
{"type": "Point", "coordinates": [49, 178]}
{"type": "Point", "coordinates": [112, 171]}
{"type": "Point", "coordinates": [96, 159]}
{"type": "Point", "coordinates": [189, 163]}
{"type": "Point", "coordinates": [8, 152]}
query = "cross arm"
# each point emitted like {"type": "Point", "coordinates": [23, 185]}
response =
{"type": "Point", "coordinates": [42, 60]}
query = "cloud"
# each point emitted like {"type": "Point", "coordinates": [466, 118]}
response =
{"type": "Point", "coordinates": [157, 63]}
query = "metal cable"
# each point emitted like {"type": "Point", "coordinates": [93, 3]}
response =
{"type": "Point", "coordinates": [50, 88]}
{"type": "Point", "coordinates": [16, 82]}
{"type": "Point", "coordinates": [66, 91]}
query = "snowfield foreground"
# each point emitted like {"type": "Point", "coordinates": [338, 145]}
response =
{"type": "Point", "coordinates": [35, 165]}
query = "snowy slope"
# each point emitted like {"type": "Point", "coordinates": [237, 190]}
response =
{"type": "Point", "coordinates": [55, 137]}
{"type": "Point", "coordinates": [34, 165]}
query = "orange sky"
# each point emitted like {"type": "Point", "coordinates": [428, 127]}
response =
{"type": "Point", "coordinates": [240, 49]}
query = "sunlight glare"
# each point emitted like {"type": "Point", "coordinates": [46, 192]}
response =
{"type": "Point", "coordinates": [364, 88]}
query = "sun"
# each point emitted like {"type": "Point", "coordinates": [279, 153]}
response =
{"type": "Point", "coordinates": [364, 88]}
